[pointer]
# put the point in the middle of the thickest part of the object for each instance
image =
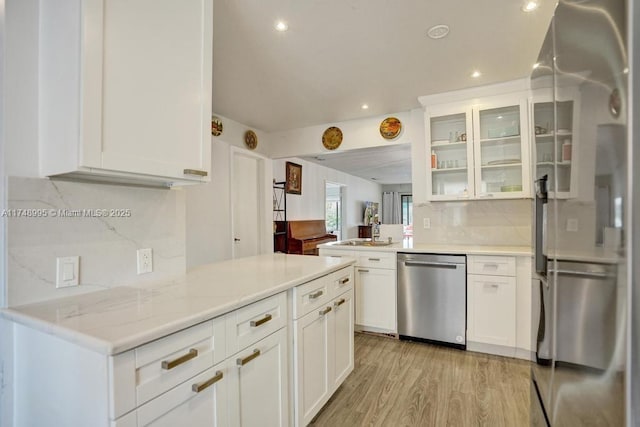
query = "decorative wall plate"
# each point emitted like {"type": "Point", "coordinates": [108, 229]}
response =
{"type": "Point", "coordinates": [332, 138]}
{"type": "Point", "coordinates": [251, 139]}
{"type": "Point", "coordinates": [390, 127]}
{"type": "Point", "coordinates": [216, 126]}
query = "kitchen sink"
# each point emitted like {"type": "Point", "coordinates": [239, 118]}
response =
{"type": "Point", "coordinates": [363, 243]}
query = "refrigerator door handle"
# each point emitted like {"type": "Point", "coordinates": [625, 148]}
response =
{"type": "Point", "coordinates": [587, 274]}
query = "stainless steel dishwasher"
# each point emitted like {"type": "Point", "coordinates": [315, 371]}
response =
{"type": "Point", "coordinates": [432, 298]}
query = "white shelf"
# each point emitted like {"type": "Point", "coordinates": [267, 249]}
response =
{"type": "Point", "coordinates": [551, 164]}
{"type": "Point", "coordinates": [440, 144]}
{"type": "Point", "coordinates": [464, 169]}
{"type": "Point", "coordinates": [550, 135]}
{"type": "Point", "coordinates": [503, 139]}
{"type": "Point", "coordinates": [501, 166]}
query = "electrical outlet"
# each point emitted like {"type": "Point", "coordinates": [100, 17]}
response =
{"type": "Point", "coordinates": [145, 261]}
{"type": "Point", "coordinates": [572, 224]}
{"type": "Point", "coordinates": [426, 222]}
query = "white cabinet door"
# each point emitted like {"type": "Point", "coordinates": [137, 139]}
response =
{"type": "Point", "coordinates": [342, 331]}
{"type": "Point", "coordinates": [259, 385]}
{"type": "Point", "coordinates": [376, 299]}
{"type": "Point", "coordinates": [313, 363]}
{"type": "Point", "coordinates": [127, 88]}
{"type": "Point", "coordinates": [200, 401]}
{"type": "Point", "coordinates": [501, 148]}
{"type": "Point", "coordinates": [491, 306]}
{"type": "Point", "coordinates": [450, 152]}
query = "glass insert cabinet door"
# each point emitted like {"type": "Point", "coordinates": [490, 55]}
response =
{"type": "Point", "coordinates": [450, 153]}
{"type": "Point", "coordinates": [501, 155]}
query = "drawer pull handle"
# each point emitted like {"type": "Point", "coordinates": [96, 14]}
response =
{"type": "Point", "coordinates": [345, 280]}
{"type": "Point", "coordinates": [196, 172]}
{"type": "Point", "coordinates": [491, 265]}
{"type": "Point", "coordinates": [335, 256]}
{"type": "Point", "coordinates": [262, 321]}
{"type": "Point", "coordinates": [315, 295]}
{"type": "Point", "coordinates": [360, 270]}
{"type": "Point", "coordinates": [199, 387]}
{"type": "Point", "coordinates": [374, 259]}
{"type": "Point", "coordinates": [170, 364]}
{"type": "Point", "coordinates": [325, 311]}
{"type": "Point", "coordinates": [339, 302]}
{"type": "Point", "coordinates": [244, 360]}
{"type": "Point", "coordinates": [491, 285]}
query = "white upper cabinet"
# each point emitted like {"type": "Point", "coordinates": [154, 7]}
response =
{"type": "Point", "coordinates": [478, 146]}
{"type": "Point", "coordinates": [125, 88]}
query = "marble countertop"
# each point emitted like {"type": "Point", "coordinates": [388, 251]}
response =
{"type": "Point", "coordinates": [407, 245]}
{"type": "Point", "coordinates": [121, 318]}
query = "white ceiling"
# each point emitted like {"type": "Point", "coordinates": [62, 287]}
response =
{"type": "Point", "coordinates": [339, 54]}
{"type": "Point", "coordinates": [384, 165]}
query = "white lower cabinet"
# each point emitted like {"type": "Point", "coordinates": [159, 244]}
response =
{"type": "Point", "coordinates": [491, 309]}
{"type": "Point", "coordinates": [258, 384]}
{"type": "Point", "coordinates": [376, 299]}
{"type": "Point", "coordinates": [201, 401]}
{"type": "Point", "coordinates": [323, 347]}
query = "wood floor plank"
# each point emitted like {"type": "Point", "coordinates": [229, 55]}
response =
{"type": "Point", "coordinates": [400, 383]}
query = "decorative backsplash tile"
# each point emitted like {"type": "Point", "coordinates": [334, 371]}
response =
{"type": "Point", "coordinates": [495, 223]}
{"type": "Point", "coordinates": [103, 224]}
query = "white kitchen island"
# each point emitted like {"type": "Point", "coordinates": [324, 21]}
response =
{"type": "Point", "coordinates": [214, 347]}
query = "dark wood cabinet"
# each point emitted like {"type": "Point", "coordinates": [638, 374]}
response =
{"type": "Point", "coordinates": [365, 231]}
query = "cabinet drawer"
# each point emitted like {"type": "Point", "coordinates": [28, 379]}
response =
{"type": "Point", "coordinates": [341, 281]}
{"type": "Point", "coordinates": [377, 259]}
{"type": "Point", "coordinates": [310, 296]}
{"type": "Point", "coordinates": [202, 400]}
{"type": "Point", "coordinates": [493, 265]}
{"type": "Point", "coordinates": [167, 362]}
{"type": "Point", "coordinates": [336, 253]}
{"type": "Point", "coordinates": [250, 324]}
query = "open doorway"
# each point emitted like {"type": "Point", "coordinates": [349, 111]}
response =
{"type": "Point", "coordinates": [334, 194]}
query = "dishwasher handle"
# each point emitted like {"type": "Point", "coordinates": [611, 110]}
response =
{"type": "Point", "coordinates": [432, 264]}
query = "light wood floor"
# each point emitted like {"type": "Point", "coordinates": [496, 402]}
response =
{"type": "Point", "coordinates": [400, 383]}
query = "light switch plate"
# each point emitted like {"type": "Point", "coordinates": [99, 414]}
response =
{"type": "Point", "coordinates": [67, 271]}
{"type": "Point", "coordinates": [426, 222]}
{"type": "Point", "coordinates": [572, 224]}
{"type": "Point", "coordinates": [145, 260]}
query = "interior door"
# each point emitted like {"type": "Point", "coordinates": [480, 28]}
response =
{"type": "Point", "coordinates": [245, 195]}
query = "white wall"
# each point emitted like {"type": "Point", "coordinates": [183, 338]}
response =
{"type": "Point", "coordinates": [208, 206]}
{"type": "Point", "coordinates": [106, 245]}
{"type": "Point", "coordinates": [490, 222]}
{"type": "Point", "coordinates": [311, 203]}
{"type": "Point", "coordinates": [400, 188]}
{"type": "Point", "coordinates": [360, 133]}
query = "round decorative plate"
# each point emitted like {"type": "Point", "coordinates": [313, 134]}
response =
{"type": "Point", "coordinates": [216, 126]}
{"type": "Point", "coordinates": [390, 128]}
{"type": "Point", "coordinates": [251, 139]}
{"type": "Point", "coordinates": [332, 138]}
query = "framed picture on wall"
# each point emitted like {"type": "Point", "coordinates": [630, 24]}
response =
{"type": "Point", "coordinates": [293, 184]}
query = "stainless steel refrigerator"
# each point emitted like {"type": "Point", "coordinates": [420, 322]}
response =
{"type": "Point", "coordinates": [581, 146]}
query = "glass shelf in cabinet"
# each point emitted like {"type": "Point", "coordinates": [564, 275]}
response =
{"type": "Point", "coordinates": [501, 140]}
{"type": "Point", "coordinates": [502, 165]}
{"type": "Point", "coordinates": [443, 145]}
{"type": "Point", "coordinates": [445, 170]}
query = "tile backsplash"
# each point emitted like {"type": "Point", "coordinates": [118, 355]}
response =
{"type": "Point", "coordinates": [494, 222]}
{"type": "Point", "coordinates": [151, 218]}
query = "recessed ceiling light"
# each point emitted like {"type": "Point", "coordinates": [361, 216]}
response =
{"type": "Point", "coordinates": [281, 26]}
{"type": "Point", "coordinates": [365, 106]}
{"type": "Point", "coordinates": [438, 31]}
{"type": "Point", "coordinates": [476, 74]}
{"type": "Point", "coordinates": [536, 65]}
{"type": "Point", "coordinates": [529, 6]}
